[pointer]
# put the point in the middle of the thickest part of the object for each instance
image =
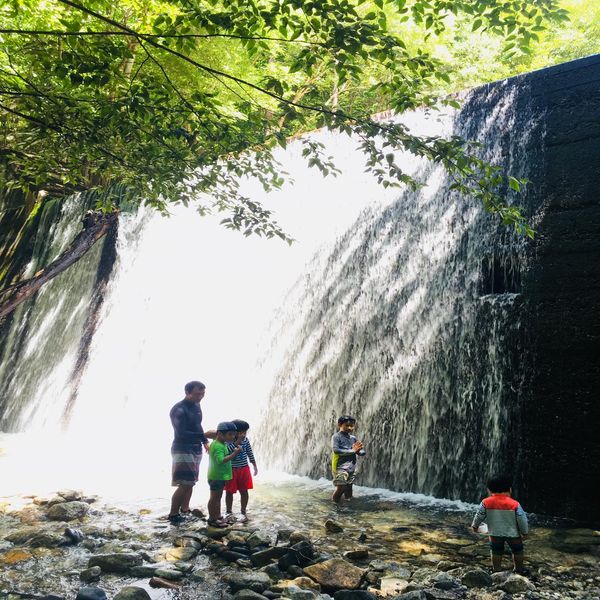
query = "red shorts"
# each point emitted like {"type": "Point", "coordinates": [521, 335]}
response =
{"type": "Point", "coordinates": [241, 481]}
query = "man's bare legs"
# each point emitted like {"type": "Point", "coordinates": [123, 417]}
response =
{"type": "Point", "coordinates": [244, 496]}
{"type": "Point", "coordinates": [181, 499]}
{"type": "Point", "coordinates": [339, 492]}
{"type": "Point", "coordinates": [228, 502]}
{"type": "Point", "coordinates": [348, 492]}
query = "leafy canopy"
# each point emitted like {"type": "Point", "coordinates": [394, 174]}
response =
{"type": "Point", "coordinates": [176, 101]}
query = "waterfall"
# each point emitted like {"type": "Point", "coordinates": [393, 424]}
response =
{"type": "Point", "coordinates": [45, 337]}
{"type": "Point", "coordinates": [413, 322]}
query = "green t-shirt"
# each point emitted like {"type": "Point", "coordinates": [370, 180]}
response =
{"type": "Point", "coordinates": [217, 469]}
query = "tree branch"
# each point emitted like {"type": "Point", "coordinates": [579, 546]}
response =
{"type": "Point", "coordinates": [95, 226]}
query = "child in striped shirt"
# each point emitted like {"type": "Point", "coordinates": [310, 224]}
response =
{"type": "Point", "coordinates": [242, 478]}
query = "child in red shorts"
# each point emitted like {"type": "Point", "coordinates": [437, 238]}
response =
{"type": "Point", "coordinates": [242, 478]}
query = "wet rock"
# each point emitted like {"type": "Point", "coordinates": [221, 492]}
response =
{"type": "Point", "coordinates": [391, 586]}
{"type": "Point", "coordinates": [362, 538]}
{"type": "Point", "coordinates": [517, 584]}
{"type": "Point", "coordinates": [443, 581]}
{"type": "Point", "coordinates": [395, 569]}
{"type": "Point", "coordinates": [414, 595]}
{"type": "Point", "coordinates": [91, 574]}
{"type": "Point", "coordinates": [157, 582]}
{"type": "Point", "coordinates": [132, 592]}
{"type": "Point", "coordinates": [68, 511]}
{"type": "Point", "coordinates": [447, 565]}
{"type": "Point", "coordinates": [248, 595]}
{"type": "Point", "coordinates": [500, 577]}
{"type": "Point", "coordinates": [295, 571]}
{"type": "Point", "coordinates": [181, 553]}
{"type": "Point", "coordinates": [257, 581]}
{"type": "Point", "coordinates": [115, 563]}
{"type": "Point", "coordinates": [264, 557]}
{"type": "Point", "coordinates": [295, 593]}
{"type": "Point", "coordinates": [333, 526]}
{"type": "Point", "coordinates": [305, 583]}
{"type": "Point", "coordinates": [424, 574]}
{"type": "Point", "coordinates": [216, 533]}
{"type": "Point", "coordinates": [336, 574]}
{"type": "Point", "coordinates": [143, 571]}
{"type": "Point", "coordinates": [91, 593]}
{"type": "Point", "coordinates": [46, 539]}
{"type": "Point", "coordinates": [298, 536]}
{"type": "Point", "coordinates": [476, 578]}
{"type": "Point", "coordinates": [258, 538]}
{"type": "Point", "coordinates": [357, 554]}
{"type": "Point", "coordinates": [244, 563]}
{"type": "Point", "coordinates": [231, 556]}
{"type": "Point", "coordinates": [439, 594]}
{"type": "Point", "coordinates": [170, 574]}
{"type": "Point", "coordinates": [70, 495]}
{"type": "Point", "coordinates": [74, 536]}
{"type": "Point", "coordinates": [354, 595]}
{"type": "Point", "coordinates": [274, 572]}
{"type": "Point", "coordinates": [187, 542]}
{"type": "Point", "coordinates": [283, 535]}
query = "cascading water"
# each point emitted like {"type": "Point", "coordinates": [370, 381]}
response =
{"type": "Point", "coordinates": [413, 323]}
{"type": "Point", "coordinates": [40, 345]}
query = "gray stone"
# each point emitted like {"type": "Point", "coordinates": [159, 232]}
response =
{"type": "Point", "coordinates": [354, 595]}
{"type": "Point", "coordinates": [392, 585]}
{"type": "Point", "coordinates": [443, 581]}
{"type": "Point", "coordinates": [248, 595]}
{"type": "Point", "coordinates": [273, 571]}
{"type": "Point", "coordinates": [115, 563]}
{"type": "Point", "coordinates": [295, 593]}
{"type": "Point", "coordinates": [170, 574]}
{"type": "Point", "coordinates": [91, 593]}
{"type": "Point", "coordinates": [517, 584]}
{"type": "Point", "coordinates": [132, 592]}
{"type": "Point", "coordinates": [439, 594]}
{"type": "Point", "coordinates": [247, 580]}
{"type": "Point", "coordinates": [143, 571]}
{"type": "Point", "coordinates": [70, 495]}
{"type": "Point", "coordinates": [264, 557]}
{"type": "Point", "coordinates": [336, 574]}
{"type": "Point", "coordinates": [447, 565]}
{"type": "Point", "coordinates": [258, 538]}
{"type": "Point", "coordinates": [46, 539]}
{"type": "Point", "coordinates": [91, 574]}
{"type": "Point", "coordinates": [476, 578]}
{"type": "Point", "coordinates": [67, 511]}
{"type": "Point", "coordinates": [181, 553]}
{"type": "Point", "coordinates": [414, 595]}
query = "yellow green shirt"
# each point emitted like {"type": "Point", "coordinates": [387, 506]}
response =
{"type": "Point", "coordinates": [217, 469]}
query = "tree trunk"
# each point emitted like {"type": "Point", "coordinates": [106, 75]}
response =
{"type": "Point", "coordinates": [95, 226]}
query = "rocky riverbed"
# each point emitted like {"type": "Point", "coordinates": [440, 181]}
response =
{"type": "Point", "coordinates": [297, 546]}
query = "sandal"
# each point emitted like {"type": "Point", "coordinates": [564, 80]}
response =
{"type": "Point", "coordinates": [217, 523]}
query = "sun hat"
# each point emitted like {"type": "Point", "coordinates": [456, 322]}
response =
{"type": "Point", "coordinates": [225, 426]}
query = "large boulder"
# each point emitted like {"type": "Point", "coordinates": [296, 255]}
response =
{"type": "Point", "coordinates": [67, 511]}
{"type": "Point", "coordinates": [247, 580]}
{"type": "Point", "coordinates": [115, 563]}
{"type": "Point", "coordinates": [336, 574]}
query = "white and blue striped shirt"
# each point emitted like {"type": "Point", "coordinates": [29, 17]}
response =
{"type": "Point", "coordinates": [241, 460]}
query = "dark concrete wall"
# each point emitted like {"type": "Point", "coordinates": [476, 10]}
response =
{"type": "Point", "coordinates": [561, 417]}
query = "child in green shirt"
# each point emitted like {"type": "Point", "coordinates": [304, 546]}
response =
{"type": "Point", "coordinates": [219, 470]}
